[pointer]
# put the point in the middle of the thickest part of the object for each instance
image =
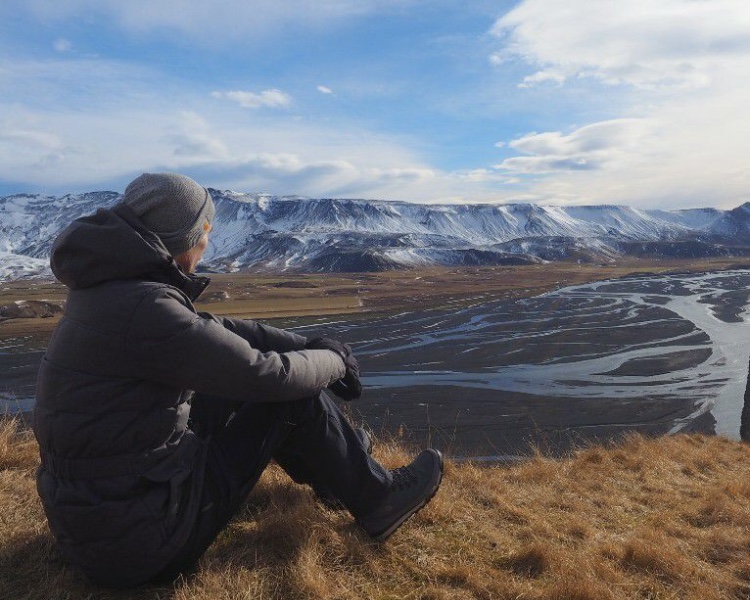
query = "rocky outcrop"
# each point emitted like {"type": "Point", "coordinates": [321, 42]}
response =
{"type": "Point", "coordinates": [31, 309]}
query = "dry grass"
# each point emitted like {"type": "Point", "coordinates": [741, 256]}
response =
{"type": "Point", "coordinates": [647, 518]}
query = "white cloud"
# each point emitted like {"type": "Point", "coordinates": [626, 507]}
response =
{"type": "Point", "coordinates": [676, 70]}
{"type": "Point", "coordinates": [548, 75]}
{"type": "Point", "coordinates": [592, 147]}
{"type": "Point", "coordinates": [281, 163]}
{"type": "Point", "coordinates": [29, 138]}
{"type": "Point", "coordinates": [403, 175]}
{"type": "Point", "coordinates": [659, 91]}
{"type": "Point", "coordinates": [23, 147]}
{"type": "Point", "coordinates": [195, 140]}
{"type": "Point", "coordinates": [644, 43]}
{"type": "Point", "coordinates": [483, 176]}
{"type": "Point", "coordinates": [143, 120]}
{"type": "Point", "coordinates": [267, 98]}
{"type": "Point", "coordinates": [686, 154]}
{"type": "Point", "coordinates": [67, 150]}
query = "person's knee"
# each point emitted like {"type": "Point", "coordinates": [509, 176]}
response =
{"type": "Point", "coordinates": [308, 408]}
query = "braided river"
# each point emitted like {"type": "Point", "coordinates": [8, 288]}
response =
{"type": "Point", "coordinates": [653, 354]}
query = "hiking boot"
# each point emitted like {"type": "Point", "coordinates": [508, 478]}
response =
{"type": "Point", "coordinates": [326, 496]}
{"type": "Point", "coordinates": [413, 486]}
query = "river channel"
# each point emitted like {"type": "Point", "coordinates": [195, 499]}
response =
{"type": "Point", "coordinates": [654, 354]}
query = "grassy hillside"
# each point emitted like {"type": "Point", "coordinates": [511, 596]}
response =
{"type": "Point", "coordinates": [645, 518]}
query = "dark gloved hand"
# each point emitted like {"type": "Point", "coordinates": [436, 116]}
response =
{"type": "Point", "coordinates": [348, 387]}
{"type": "Point", "coordinates": [326, 343]}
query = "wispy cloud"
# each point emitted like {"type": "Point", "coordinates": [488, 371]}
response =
{"type": "Point", "coordinates": [195, 139]}
{"type": "Point", "coordinates": [592, 147]}
{"type": "Point", "coordinates": [682, 135]}
{"type": "Point", "coordinates": [29, 138]}
{"type": "Point", "coordinates": [641, 102]}
{"type": "Point", "coordinates": [226, 19]}
{"type": "Point", "coordinates": [644, 43]}
{"type": "Point", "coordinates": [267, 98]}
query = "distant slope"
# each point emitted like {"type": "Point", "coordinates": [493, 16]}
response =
{"type": "Point", "coordinates": [260, 231]}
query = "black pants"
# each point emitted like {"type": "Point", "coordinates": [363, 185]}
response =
{"type": "Point", "coordinates": [309, 438]}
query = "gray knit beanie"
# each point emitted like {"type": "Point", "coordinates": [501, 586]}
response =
{"type": "Point", "coordinates": [173, 206]}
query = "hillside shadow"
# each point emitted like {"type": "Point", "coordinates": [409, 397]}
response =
{"type": "Point", "coordinates": [32, 568]}
{"type": "Point", "coordinates": [281, 526]}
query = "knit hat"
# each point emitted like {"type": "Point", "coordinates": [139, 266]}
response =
{"type": "Point", "coordinates": [173, 206]}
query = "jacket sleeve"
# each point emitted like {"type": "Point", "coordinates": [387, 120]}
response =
{"type": "Point", "coordinates": [168, 342]}
{"type": "Point", "coordinates": [263, 337]}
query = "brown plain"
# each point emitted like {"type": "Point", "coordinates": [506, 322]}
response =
{"type": "Point", "coordinates": [269, 296]}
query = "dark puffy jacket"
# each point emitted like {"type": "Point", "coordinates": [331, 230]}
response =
{"type": "Point", "coordinates": [121, 471]}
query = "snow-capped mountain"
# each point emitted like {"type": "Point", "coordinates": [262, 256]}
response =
{"type": "Point", "coordinates": [291, 232]}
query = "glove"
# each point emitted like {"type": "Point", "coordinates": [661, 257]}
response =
{"type": "Point", "coordinates": [349, 387]}
{"type": "Point", "coordinates": [326, 343]}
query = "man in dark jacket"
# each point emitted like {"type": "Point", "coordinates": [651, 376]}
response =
{"type": "Point", "coordinates": [155, 421]}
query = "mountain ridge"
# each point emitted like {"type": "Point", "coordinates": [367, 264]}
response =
{"type": "Point", "coordinates": [262, 231]}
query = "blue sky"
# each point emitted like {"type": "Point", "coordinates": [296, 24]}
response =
{"type": "Point", "coordinates": [642, 102]}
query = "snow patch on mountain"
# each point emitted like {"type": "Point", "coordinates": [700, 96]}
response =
{"type": "Point", "coordinates": [323, 234]}
{"type": "Point", "coordinates": [16, 266]}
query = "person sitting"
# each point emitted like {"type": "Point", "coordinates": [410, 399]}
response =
{"type": "Point", "coordinates": [155, 421]}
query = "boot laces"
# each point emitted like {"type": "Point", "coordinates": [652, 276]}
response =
{"type": "Point", "coordinates": [403, 477]}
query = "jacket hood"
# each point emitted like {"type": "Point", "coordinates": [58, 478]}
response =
{"type": "Point", "coordinates": [113, 244]}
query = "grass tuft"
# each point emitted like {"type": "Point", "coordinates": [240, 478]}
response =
{"type": "Point", "coordinates": [532, 561]}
